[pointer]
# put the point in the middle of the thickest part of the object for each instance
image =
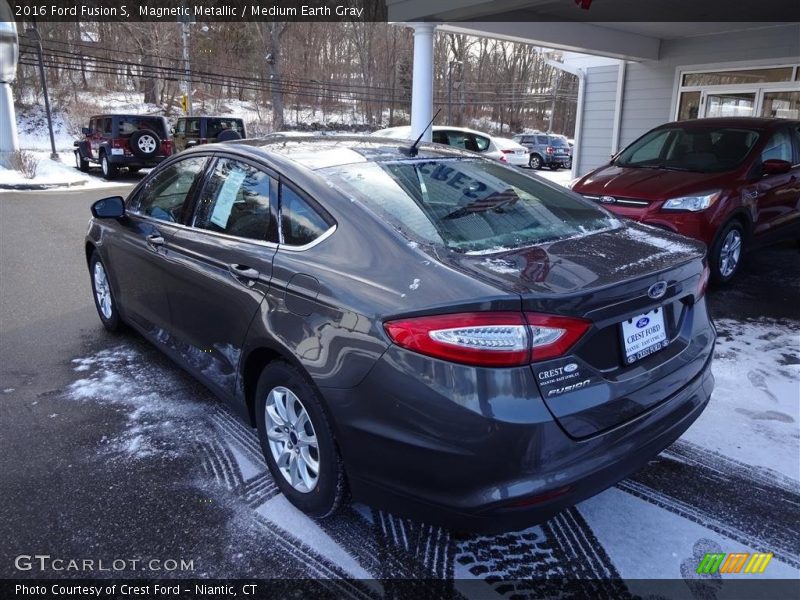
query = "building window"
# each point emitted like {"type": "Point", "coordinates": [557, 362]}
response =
{"type": "Point", "coordinates": [746, 92]}
{"type": "Point", "coordinates": [738, 77]}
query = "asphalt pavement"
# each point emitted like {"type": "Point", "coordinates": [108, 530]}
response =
{"type": "Point", "coordinates": [63, 495]}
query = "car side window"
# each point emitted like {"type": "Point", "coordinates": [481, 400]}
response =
{"type": "Point", "coordinates": [482, 143]}
{"type": "Point", "coordinates": [107, 126]}
{"type": "Point", "coordinates": [778, 147]}
{"type": "Point", "coordinates": [541, 140]}
{"type": "Point", "coordinates": [164, 196]}
{"type": "Point", "coordinates": [235, 201]}
{"type": "Point", "coordinates": [439, 137]}
{"type": "Point", "coordinates": [796, 132]}
{"type": "Point", "coordinates": [181, 126]}
{"type": "Point", "coordinates": [300, 223]}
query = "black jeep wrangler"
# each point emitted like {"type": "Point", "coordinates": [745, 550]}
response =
{"type": "Point", "coordinates": [203, 129]}
{"type": "Point", "coordinates": [116, 141]}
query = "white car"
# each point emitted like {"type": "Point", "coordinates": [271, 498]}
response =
{"type": "Point", "coordinates": [514, 153]}
{"type": "Point", "coordinates": [459, 137]}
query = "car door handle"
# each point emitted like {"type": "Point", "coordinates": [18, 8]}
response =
{"type": "Point", "coordinates": [243, 271]}
{"type": "Point", "coordinates": [155, 240]}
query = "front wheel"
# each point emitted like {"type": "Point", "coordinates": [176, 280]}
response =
{"type": "Point", "coordinates": [726, 252]}
{"type": "Point", "coordinates": [103, 297]}
{"type": "Point", "coordinates": [297, 441]}
{"type": "Point", "coordinates": [81, 163]}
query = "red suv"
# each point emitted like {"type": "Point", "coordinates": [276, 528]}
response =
{"type": "Point", "coordinates": [117, 141]}
{"type": "Point", "coordinates": [732, 183]}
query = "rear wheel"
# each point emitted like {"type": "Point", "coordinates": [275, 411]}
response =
{"type": "Point", "coordinates": [103, 297]}
{"type": "Point", "coordinates": [726, 252]}
{"type": "Point", "coordinates": [535, 161]}
{"type": "Point", "coordinates": [297, 441]}
{"type": "Point", "coordinates": [110, 170]}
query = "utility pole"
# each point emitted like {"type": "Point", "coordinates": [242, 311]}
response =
{"type": "Point", "coordinates": [34, 32]}
{"type": "Point", "coordinates": [186, 82]}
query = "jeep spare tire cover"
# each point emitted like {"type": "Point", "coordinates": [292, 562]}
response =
{"type": "Point", "coordinates": [227, 135]}
{"type": "Point", "coordinates": [144, 143]}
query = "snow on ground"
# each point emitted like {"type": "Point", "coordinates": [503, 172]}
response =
{"type": "Point", "coordinates": [56, 174]}
{"type": "Point", "coordinates": [731, 484]}
{"type": "Point", "coordinates": [754, 413]}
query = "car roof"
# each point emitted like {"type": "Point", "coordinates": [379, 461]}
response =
{"type": "Point", "coordinates": [319, 152]}
{"type": "Point", "coordinates": [126, 115]}
{"type": "Point", "coordinates": [436, 128]}
{"type": "Point", "coordinates": [748, 122]}
{"type": "Point", "coordinates": [210, 117]}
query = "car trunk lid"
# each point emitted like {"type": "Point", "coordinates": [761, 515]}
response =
{"type": "Point", "coordinates": [605, 278]}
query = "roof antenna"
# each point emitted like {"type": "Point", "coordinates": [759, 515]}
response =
{"type": "Point", "coordinates": [412, 149]}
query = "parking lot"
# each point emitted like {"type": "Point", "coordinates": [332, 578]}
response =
{"type": "Point", "coordinates": [112, 451]}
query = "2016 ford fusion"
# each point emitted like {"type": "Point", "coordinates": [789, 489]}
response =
{"type": "Point", "coordinates": [426, 330]}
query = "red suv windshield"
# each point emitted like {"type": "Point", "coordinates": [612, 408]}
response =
{"type": "Point", "coordinates": [698, 149]}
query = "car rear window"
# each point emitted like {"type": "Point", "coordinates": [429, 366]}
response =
{"type": "Point", "coordinates": [697, 149]}
{"type": "Point", "coordinates": [467, 205]}
{"type": "Point", "coordinates": [129, 125]}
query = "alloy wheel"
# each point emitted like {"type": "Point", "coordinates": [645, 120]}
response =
{"type": "Point", "coordinates": [102, 291]}
{"type": "Point", "coordinates": [292, 439]}
{"type": "Point", "coordinates": [147, 144]}
{"type": "Point", "coordinates": [730, 253]}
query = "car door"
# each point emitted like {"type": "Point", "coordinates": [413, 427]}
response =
{"type": "Point", "coordinates": [220, 269]}
{"type": "Point", "coordinates": [778, 195]}
{"type": "Point", "coordinates": [140, 254]}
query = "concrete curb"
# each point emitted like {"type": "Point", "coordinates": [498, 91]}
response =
{"type": "Point", "coordinates": [41, 186]}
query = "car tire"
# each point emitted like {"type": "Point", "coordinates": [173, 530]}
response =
{"type": "Point", "coordinates": [144, 143]}
{"type": "Point", "coordinates": [110, 170]}
{"type": "Point", "coordinates": [284, 399]}
{"type": "Point", "coordinates": [81, 163]}
{"type": "Point", "coordinates": [104, 300]}
{"type": "Point", "coordinates": [725, 255]}
{"type": "Point", "coordinates": [535, 161]}
{"type": "Point", "coordinates": [228, 135]}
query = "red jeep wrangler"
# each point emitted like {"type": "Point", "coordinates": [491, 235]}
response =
{"type": "Point", "coordinates": [116, 141]}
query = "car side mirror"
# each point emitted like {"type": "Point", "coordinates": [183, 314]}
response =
{"type": "Point", "coordinates": [775, 166]}
{"type": "Point", "coordinates": [112, 207]}
{"type": "Point", "coordinates": [86, 130]}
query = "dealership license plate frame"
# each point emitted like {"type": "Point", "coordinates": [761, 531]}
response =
{"type": "Point", "coordinates": [648, 345]}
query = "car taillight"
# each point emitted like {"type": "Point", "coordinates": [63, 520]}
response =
{"type": "Point", "coordinates": [503, 158]}
{"type": "Point", "coordinates": [703, 283]}
{"type": "Point", "coordinates": [499, 339]}
{"type": "Point", "coordinates": [166, 147]}
{"type": "Point", "coordinates": [552, 336]}
{"type": "Point", "coordinates": [118, 144]}
{"type": "Point", "coordinates": [550, 150]}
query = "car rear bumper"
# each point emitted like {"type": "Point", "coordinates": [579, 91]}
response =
{"type": "Point", "coordinates": [482, 452]}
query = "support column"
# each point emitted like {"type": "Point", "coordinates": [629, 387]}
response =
{"type": "Point", "coordinates": [9, 52]}
{"type": "Point", "coordinates": [422, 82]}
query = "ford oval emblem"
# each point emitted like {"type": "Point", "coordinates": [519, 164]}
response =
{"type": "Point", "coordinates": [608, 199]}
{"type": "Point", "coordinates": [657, 290]}
{"type": "Point", "coordinates": [642, 322]}
{"type": "Point", "coordinates": [570, 367]}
